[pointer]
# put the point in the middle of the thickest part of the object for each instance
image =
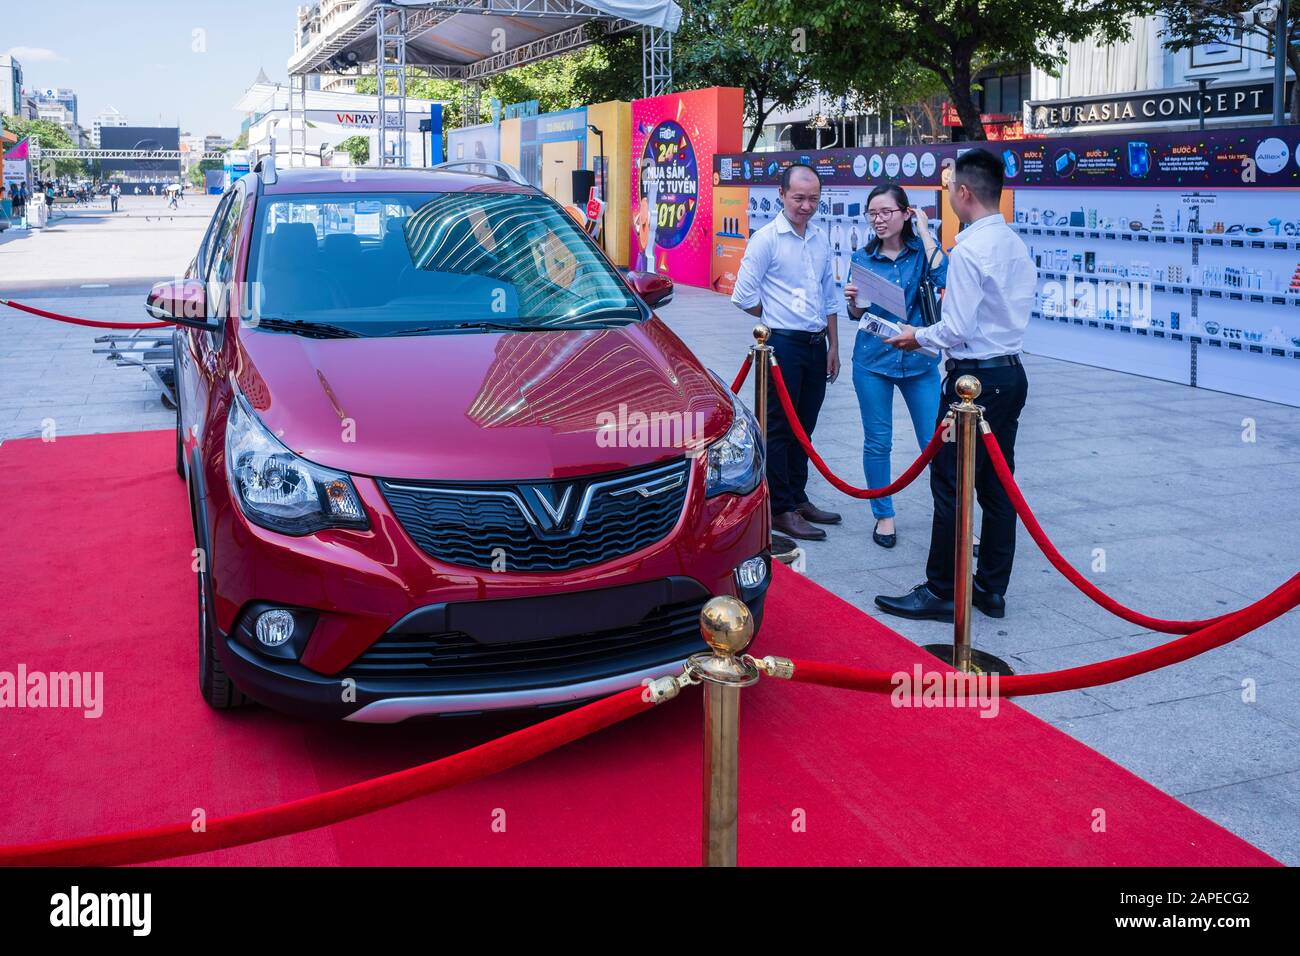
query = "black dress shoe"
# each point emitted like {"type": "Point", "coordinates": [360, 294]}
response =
{"type": "Point", "coordinates": [884, 540]}
{"type": "Point", "coordinates": [919, 603]}
{"type": "Point", "coordinates": [792, 523]}
{"type": "Point", "coordinates": [817, 515]}
{"type": "Point", "coordinates": [993, 605]}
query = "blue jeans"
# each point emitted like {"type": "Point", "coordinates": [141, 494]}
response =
{"type": "Point", "coordinates": [876, 401]}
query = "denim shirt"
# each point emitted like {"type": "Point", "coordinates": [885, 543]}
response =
{"type": "Point", "coordinates": [871, 352]}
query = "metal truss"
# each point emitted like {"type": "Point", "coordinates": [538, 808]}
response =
{"type": "Point", "coordinates": [298, 120]}
{"type": "Point", "coordinates": [158, 154]}
{"type": "Point", "coordinates": [553, 45]}
{"type": "Point", "coordinates": [390, 64]}
{"type": "Point", "coordinates": [656, 61]}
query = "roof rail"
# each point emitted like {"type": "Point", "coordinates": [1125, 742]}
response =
{"type": "Point", "coordinates": [485, 167]}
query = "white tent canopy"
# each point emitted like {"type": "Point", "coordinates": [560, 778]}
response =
{"type": "Point", "coordinates": [472, 39]}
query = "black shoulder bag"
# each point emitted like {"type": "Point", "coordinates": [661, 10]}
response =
{"type": "Point", "coordinates": [927, 296]}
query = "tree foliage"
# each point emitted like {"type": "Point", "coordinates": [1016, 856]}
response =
{"type": "Point", "coordinates": [358, 147]}
{"type": "Point", "coordinates": [1190, 23]}
{"type": "Point", "coordinates": [881, 50]}
{"type": "Point", "coordinates": [52, 136]}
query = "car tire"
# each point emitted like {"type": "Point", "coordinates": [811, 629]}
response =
{"type": "Point", "coordinates": [215, 685]}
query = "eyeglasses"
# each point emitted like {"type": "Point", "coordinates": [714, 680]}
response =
{"type": "Point", "coordinates": [875, 214]}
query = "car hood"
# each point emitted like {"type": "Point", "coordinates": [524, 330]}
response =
{"type": "Point", "coordinates": [484, 406]}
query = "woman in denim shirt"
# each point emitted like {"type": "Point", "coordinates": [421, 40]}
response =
{"type": "Point", "coordinates": [897, 253]}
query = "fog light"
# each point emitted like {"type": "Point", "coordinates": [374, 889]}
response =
{"type": "Point", "coordinates": [274, 627]}
{"type": "Point", "coordinates": [751, 573]}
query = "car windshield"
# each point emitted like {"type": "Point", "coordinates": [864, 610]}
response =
{"type": "Point", "coordinates": [415, 263]}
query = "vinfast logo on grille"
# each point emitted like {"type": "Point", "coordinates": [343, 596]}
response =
{"type": "Point", "coordinates": [549, 504]}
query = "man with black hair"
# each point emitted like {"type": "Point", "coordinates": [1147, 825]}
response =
{"type": "Point", "coordinates": [785, 279]}
{"type": "Point", "coordinates": [986, 306]}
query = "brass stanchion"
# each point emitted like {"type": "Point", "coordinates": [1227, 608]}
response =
{"type": "Point", "coordinates": [968, 417]}
{"type": "Point", "coordinates": [727, 627]}
{"type": "Point", "coordinates": [783, 549]}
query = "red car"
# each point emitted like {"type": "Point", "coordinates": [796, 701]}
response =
{"type": "Point", "coordinates": [442, 457]}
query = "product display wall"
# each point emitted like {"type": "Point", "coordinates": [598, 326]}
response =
{"type": "Point", "coordinates": [1171, 255]}
{"type": "Point", "coordinates": [842, 215]}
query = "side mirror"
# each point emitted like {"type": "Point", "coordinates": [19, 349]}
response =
{"type": "Point", "coordinates": [183, 301]}
{"type": "Point", "coordinates": [652, 288]}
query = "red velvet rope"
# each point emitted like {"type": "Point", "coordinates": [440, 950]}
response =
{"type": "Point", "coordinates": [1214, 635]}
{"type": "Point", "coordinates": [322, 809]}
{"type": "Point", "coordinates": [899, 483]}
{"type": "Point", "coordinates": [1071, 573]}
{"type": "Point", "coordinates": [91, 323]}
{"type": "Point", "coordinates": [744, 372]}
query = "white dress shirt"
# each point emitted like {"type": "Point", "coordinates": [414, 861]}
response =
{"type": "Point", "coordinates": [789, 275]}
{"type": "Point", "coordinates": [989, 293]}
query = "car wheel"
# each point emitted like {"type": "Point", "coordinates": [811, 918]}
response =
{"type": "Point", "coordinates": [214, 684]}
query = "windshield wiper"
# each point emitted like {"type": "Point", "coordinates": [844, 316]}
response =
{"type": "Point", "coordinates": [314, 330]}
{"type": "Point", "coordinates": [583, 320]}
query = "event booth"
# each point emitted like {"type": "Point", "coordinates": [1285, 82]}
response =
{"type": "Point", "coordinates": [1175, 256]}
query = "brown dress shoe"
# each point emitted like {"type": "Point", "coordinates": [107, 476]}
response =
{"type": "Point", "coordinates": [812, 513]}
{"type": "Point", "coordinates": [793, 524]}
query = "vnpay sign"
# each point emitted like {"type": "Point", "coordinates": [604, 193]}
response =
{"type": "Point", "coordinates": [367, 120]}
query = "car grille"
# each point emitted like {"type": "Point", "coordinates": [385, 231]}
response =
{"type": "Point", "coordinates": [668, 633]}
{"type": "Point", "coordinates": [544, 525]}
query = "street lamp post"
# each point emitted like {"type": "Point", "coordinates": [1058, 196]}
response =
{"type": "Point", "coordinates": [1201, 83]}
{"type": "Point", "coordinates": [604, 176]}
{"type": "Point", "coordinates": [1279, 63]}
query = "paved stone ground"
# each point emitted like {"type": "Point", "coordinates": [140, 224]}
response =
{"type": "Point", "coordinates": [1193, 520]}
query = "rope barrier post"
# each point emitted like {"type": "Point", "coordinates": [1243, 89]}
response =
{"type": "Point", "coordinates": [727, 626]}
{"type": "Point", "coordinates": [968, 416]}
{"type": "Point", "coordinates": [783, 548]}
{"type": "Point", "coordinates": [762, 353]}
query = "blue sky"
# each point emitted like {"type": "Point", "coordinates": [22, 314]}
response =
{"type": "Point", "coordinates": [145, 58]}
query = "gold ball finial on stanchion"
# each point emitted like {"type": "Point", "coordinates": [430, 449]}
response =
{"type": "Point", "coordinates": [727, 626]}
{"type": "Point", "coordinates": [762, 333]}
{"type": "Point", "coordinates": [968, 389]}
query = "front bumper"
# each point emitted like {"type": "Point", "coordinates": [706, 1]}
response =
{"type": "Point", "coordinates": [573, 647]}
{"type": "Point", "coordinates": [370, 599]}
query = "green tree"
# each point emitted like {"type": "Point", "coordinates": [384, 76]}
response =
{"type": "Point", "coordinates": [1189, 23]}
{"type": "Point", "coordinates": [358, 147]}
{"type": "Point", "coordinates": [51, 136]}
{"type": "Point", "coordinates": [197, 171]}
{"type": "Point", "coordinates": [716, 47]}
{"type": "Point", "coordinates": [873, 49]}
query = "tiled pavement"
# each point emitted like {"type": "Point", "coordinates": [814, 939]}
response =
{"type": "Point", "coordinates": [1192, 520]}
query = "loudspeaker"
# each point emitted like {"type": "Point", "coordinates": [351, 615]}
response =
{"type": "Point", "coordinates": [584, 180]}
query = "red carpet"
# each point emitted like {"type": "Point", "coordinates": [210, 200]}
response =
{"type": "Point", "coordinates": [94, 576]}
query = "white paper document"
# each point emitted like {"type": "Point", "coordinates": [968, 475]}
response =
{"type": "Point", "coordinates": [884, 329]}
{"type": "Point", "coordinates": [876, 290]}
{"type": "Point", "coordinates": [885, 294]}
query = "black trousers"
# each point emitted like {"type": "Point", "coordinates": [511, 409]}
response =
{"type": "Point", "coordinates": [803, 365]}
{"type": "Point", "coordinates": [1005, 388]}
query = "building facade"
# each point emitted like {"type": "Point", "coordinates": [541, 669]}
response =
{"type": "Point", "coordinates": [109, 118]}
{"type": "Point", "coordinates": [11, 86]}
{"type": "Point", "coordinates": [1141, 86]}
{"type": "Point", "coordinates": [313, 20]}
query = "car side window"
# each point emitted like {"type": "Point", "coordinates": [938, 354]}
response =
{"type": "Point", "coordinates": [221, 268]}
{"type": "Point", "coordinates": [210, 238]}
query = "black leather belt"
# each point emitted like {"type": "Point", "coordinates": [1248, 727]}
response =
{"type": "Point", "coordinates": [812, 338]}
{"type": "Point", "coordinates": [953, 364]}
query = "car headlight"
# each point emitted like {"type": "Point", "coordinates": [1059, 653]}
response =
{"type": "Point", "coordinates": [280, 491]}
{"type": "Point", "coordinates": [735, 461]}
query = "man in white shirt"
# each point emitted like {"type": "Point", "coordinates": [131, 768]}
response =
{"type": "Point", "coordinates": [785, 279]}
{"type": "Point", "coordinates": [986, 306]}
